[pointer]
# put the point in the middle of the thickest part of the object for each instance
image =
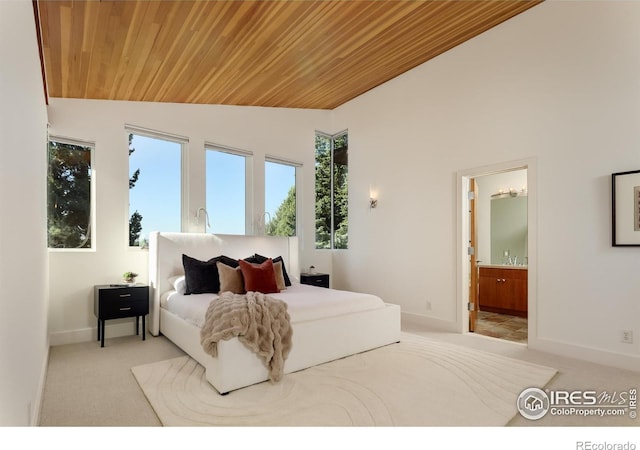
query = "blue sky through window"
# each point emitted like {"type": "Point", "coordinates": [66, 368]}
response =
{"type": "Point", "coordinates": [157, 193]}
{"type": "Point", "coordinates": [226, 192]}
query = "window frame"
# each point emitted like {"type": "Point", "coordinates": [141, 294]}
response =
{"type": "Point", "coordinates": [297, 183]}
{"type": "Point", "coordinates": [92, 190]}
{"type": "Point", "coordinates": [183, 141]}
{"type": "Point", "coordinates": [248, 181]}
{"type": "Point", "coordinates": [332, 138]}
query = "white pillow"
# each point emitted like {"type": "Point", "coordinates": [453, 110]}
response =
{"type": "Point", "coordinates": [179, 283]}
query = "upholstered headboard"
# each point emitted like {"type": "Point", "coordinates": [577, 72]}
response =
{"type": "Point", "coordinates": [166, 250]}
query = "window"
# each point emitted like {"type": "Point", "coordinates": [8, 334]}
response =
{"type": "Point", "coordinates": [280, 198]}
{"type": "Point", "coordinates": [331, 167]}
{"type": "Point", "coordinates": [226, 190]}
{"type": "Point", "coordinates": [69, 181]}
{"type": "Point", "coordinates": [155, 186]}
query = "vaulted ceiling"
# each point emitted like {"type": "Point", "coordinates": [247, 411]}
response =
{"type": "Point", "coordinates": [298, 54]}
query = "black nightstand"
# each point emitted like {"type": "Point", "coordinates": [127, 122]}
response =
{"type": "Point", "coordinates": [315, 279]}
{"type": "Point", "coordinates": [118, 301]}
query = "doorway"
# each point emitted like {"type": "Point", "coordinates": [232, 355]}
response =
{"type": "Point", "coordinates": [498, 294]}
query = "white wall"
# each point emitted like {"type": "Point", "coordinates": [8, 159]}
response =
{"type": "Point", "coordinates": [23, 258]}
{"type": "Point", "coordinates": [285, 133]}
{"type": "Point", "coordinates": [559, 84]}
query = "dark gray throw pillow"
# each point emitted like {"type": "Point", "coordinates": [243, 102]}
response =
{"type": "Point", "coordinates": [202, 276]}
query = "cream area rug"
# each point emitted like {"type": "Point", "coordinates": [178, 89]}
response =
{"type": "Point", "coordinates": [417, 382]}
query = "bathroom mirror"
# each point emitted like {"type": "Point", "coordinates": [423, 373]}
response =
{"type": "Point", "coordinates": [509, 230]}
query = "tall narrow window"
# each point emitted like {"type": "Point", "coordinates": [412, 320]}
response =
{"type": "Point", "coordinates": [331, 170]}
{"type": "Point", "coordinates": [155, 186]}
{"type": "Point", "coordinates": [226, 190]}
{"type": "Point", "coordinates": [280, 198]}
{"type": "Point", "coordinates": [69, 194]}
{"type": "Point", "coordinates": [340, 169]}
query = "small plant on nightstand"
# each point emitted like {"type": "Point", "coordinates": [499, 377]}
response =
{"type": "Point", "coordinates": [129, 277]}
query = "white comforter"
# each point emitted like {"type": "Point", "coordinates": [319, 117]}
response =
{"type": "Point", "coordinates": [304, 302]}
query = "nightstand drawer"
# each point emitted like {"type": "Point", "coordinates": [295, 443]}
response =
{"type": "Point", "coordinates": [116, 294]}
{"type": "Point", "coordinates": [315, 279]}
{"type": "Point", "coordinates": [117, 308]}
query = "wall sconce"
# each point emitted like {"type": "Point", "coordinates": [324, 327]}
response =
{"type": "Point", "coordinates": [262, 222]}
{"type": "Point", "coordinates": [373, 198]}
{"type": "Point", "coordinates": [207, 224]}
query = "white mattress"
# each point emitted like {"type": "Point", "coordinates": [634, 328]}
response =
{"type": "Point", "coordinates": [305, 303]}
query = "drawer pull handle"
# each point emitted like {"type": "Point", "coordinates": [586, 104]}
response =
{"type": "Point", "coordinates": [125, 309]}
{"type": "Point", "coordinates": [125, 295]}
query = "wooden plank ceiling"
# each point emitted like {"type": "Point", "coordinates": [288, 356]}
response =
{"type": "Point", "coordinates": [298, 54]}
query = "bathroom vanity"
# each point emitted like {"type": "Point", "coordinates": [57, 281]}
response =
{"type": "Point", "coordinates": [503, 289]}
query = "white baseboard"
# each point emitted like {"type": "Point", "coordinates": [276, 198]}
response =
{"type": "Point", "coordinates": [569, 350]}
{"type": "Point", "coordinates": [91, 334]}
{"type": "Point", "coordinates": [430, 322]}
{"type": "Point", "coordinates": [594, 355]}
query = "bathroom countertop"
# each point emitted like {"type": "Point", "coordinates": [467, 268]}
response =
{"type": "Point", "coordinates": [502, 266]}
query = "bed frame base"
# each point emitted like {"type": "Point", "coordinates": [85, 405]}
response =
{"type": "Point", "coordinates": [314, 342]}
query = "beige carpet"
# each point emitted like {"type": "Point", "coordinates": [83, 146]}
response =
{"type": "Point", "coordinates": [418, 382]}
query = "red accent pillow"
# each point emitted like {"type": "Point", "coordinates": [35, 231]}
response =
{"type": "Point", "coordinates": [259, 277]}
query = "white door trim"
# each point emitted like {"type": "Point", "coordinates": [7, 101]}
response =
{"type": "Point", "coordinates": [462, 279]}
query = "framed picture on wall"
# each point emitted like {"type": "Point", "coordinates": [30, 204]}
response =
{"type": "Point", "coordinates": [625, 209]}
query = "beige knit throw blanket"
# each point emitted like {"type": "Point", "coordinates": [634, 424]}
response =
{"type": "Point", "coordinates": [260, 322]}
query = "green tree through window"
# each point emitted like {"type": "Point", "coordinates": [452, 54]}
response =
{"type": "Point", "coordinates": [340, 191]}
{"type": "Point", "coordinates": [332, 203]}
{"type": "Point", "coordinates": [280, 198]}
{"type": "Point", "coordinates": [284, 221]}
{"type": "Point", "coordinates": [69, 195]}
{"type": "Point", "coordinates": [135, 221]}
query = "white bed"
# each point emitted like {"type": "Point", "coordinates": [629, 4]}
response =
{"type": "Point", "coordinates": [327, 324]}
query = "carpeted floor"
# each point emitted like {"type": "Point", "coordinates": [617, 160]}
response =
{"type": "Point", "coordinates": [91, 386]}
{"type": "Point", "coordinates": [417, 382]}
{"type": "Point", "coordinates": [88, 385]}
